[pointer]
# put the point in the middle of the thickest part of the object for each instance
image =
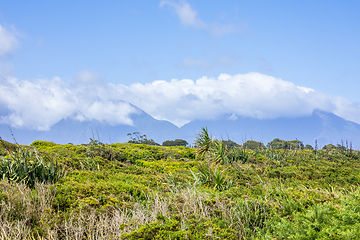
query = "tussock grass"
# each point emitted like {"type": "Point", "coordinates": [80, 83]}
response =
{"type": "Point", "coordinates": [28, 214]}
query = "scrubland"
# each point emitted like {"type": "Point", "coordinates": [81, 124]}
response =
{"type": "Point", "coordinates": [137, 191]}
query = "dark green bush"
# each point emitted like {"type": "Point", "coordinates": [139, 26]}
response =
{"type": "Point", "coordinates": [28, 167]}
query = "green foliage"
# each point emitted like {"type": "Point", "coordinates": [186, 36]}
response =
{"type": "Point", "coordinates": [332, 147]}
{"type": "Point", "coordinates": [214, 191]}
{"type": "Point", "coordinates": [308, 147]}
{"type": "Point", "coordinates": [277, 144]}
{"type": "Point", "coordinates": [251, 144]}
{"type": "Point", "coordinates": [141, 139]}
{"type": "Point", "coordinates": [238, 155]}
{"type": "Point", "coordinates": [203, 142]}
{"type": "Point", "coordinates": [282, 144]}
{"type": "Point", "coordinates": [166, 166]}
{"type": "Point", "coordinates": [171, 228]}
{"type": "Point", "coordinates": [28, 167]}
{"type": "Point", "coordinates": [215, 152]}
{"type": "Point", "coordinates": [176, 142]}
{"type": "Point", "coordinates": [42, 144]}
{"type": "Point", "coordinates": [230, 144]}
{"type": "Point", "coordinates": [6, 147]}
{"type": "Point", "coordinates": [319, 221]}
{"type": "Point", "coordinates": [210, 149]}
{"type": "Point", "coordinates": [213, 177]}
{"type": "Point", "coordinates": [220, 153]}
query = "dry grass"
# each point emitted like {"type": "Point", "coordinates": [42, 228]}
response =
{"type": "Point", "coordinates": [21, 208]}
{"type": "Point", "coordinates": [29, 214]}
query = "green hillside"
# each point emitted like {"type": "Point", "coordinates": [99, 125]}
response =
{"type": "Point", "coordinates": [213, 191]}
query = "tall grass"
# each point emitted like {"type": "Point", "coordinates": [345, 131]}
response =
{"type": "Point", "coordinates": [27, 214]}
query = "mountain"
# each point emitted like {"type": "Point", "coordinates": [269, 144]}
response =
{"type": "Point", "coordinates": [320, 126]}
{"type": "Point", "coordinates": [323, 127]}
{"type": "Point", "coordinates": [22, 136]}
{"type": "Point", "coordinates": [78, 132]}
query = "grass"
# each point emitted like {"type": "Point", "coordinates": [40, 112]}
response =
{"type": "Point", "coordinates": [134, 191]}
{"type": "Point", "coordinates": [30, 213]}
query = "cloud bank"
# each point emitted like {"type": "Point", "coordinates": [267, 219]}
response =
{"type": "Point", "coordinates": [41, 103]}
{"type": "Point", "coordinates": [44, 102]}
{"type": "Point", "coordinates": [253, 95]}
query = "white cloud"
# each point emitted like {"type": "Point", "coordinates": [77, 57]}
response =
{"type": "Point", "coordinates": [8, 42]}
{"type": "Point", "coordinates": [37, 104]}
{"type": "Point", "coordinates": [111, 112]}
{"type": "Point", "coordinates": [253, 95]}
{"type": "Point", "coordinates": [41, 103]}
{"type": "Point", "coordinates": [189, 18]}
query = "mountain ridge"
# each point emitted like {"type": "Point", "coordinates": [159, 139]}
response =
{"type": "Point", "coordinates": [323, 127]}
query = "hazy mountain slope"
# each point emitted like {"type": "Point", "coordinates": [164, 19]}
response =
{"type": "Point", "coordinates": [70, 130]}
{"type": "Point", "coordinates": [321, 126]}
{"type": "Point", "coordinates": [21, 135]}
{"type": "Point", "coordinates": [78, 132]}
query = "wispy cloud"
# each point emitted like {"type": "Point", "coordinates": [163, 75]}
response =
{"type": "Point", "coordinates": [41, 103]}
{"type": "Point", "coordinates": [186, 14]}
{"type": "Point", "coordinates": [8, 41]}
{"type": "Point", "coordinates": [189, 18]}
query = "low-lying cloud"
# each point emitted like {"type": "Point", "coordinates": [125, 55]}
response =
{"type": "Point", "coordinates": [41, 103]}
{"type": "Point", "coordinates": [252, 95]}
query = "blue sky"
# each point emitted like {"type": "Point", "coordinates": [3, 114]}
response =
{"type": "Point", "coordinates": [130, 45]}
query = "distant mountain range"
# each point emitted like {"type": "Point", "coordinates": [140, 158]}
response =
{"type": "Point", "coordinates": [78, 132]}
{"type": "Point", "coordinates": [322, 126]}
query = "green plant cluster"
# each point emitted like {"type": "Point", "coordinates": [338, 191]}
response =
{"type": "Point", "coordinates": [217, 190]}
{"type": "Point", "coordinates": [26, 166]}
{"type": "Point", "coordinates": [176, 142]}
{"type": "Point", "coordinates": [136, 138]}
{"type": "Point", "coordinates": [194, 228]}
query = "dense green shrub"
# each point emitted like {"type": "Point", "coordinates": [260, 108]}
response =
{"type": "Point", "coordinates": [176, 142]}
{"type": "Point", "coordinates": [26, 166]}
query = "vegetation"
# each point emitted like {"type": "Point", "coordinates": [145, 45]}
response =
{"type": "Point", "coordinates": [338, 147]}
{"type": "Point", "coordinates": [251, 144]}
{"type": "Point", "coordinates": [230, 144]}
{"type": "Point", "coordinates": [135, 137]}
{"type": "Point", "coordinates": [26, 166]}
{"type": "Point", "coordinates": [282, 144]}
{"type": "Point", "coordinates": [176, 142]}
{"type": "Point", "coordinates": [214, 191]}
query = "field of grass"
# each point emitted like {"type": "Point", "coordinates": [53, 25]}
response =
{"type": "Point", "coordinates": [136, 191]}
